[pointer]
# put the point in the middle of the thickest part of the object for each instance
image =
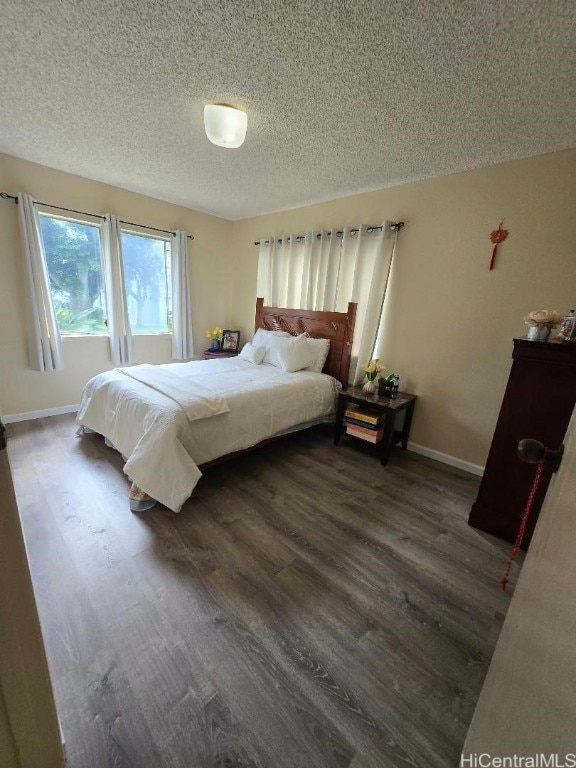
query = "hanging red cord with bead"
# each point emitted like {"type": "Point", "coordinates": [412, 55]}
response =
{"type": "Point", "coordinates": [522, 529]}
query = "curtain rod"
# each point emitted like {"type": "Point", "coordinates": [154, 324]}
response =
{"type": "Point", "coordinates": [395, 226]}
{"type": "Point", "coordinates": [6, 196]}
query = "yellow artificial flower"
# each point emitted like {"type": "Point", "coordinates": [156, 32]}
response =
{"type": "Point", "coordinates": [372, 369]}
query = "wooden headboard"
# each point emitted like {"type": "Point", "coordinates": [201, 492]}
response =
{"type": "Point", "coordinates": [336, 326]}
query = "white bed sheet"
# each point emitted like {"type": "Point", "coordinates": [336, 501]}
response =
{"type": "Point", "coordinates": [163, 448]}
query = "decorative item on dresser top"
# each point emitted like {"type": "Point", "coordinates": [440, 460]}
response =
{"type": "Point", "coordinates": [567, 330]}
{"type": "Point", "coordinates": [538, 402]}
{"type": "Point", "coordinates": [540, 323]}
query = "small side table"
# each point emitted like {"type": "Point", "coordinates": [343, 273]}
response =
{"type": "Point", "coordinates": [210, 355]}
{"type": "Point", "coordinates": [387, 406]}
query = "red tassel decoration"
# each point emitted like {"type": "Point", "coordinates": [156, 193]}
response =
{"type": "Point", "coordinates": [497, 236]}
{"type": "Point", "coordinates": [492, 260]}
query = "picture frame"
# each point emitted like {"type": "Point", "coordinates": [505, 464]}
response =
{"type": "Point", "coordinates": [230, 341]}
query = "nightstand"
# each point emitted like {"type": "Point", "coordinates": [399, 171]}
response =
{"type": "Point", "coordinates": [382, 410]}
{"type": "Point", "coordinates": [209, 355]}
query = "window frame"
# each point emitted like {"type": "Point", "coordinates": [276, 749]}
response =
{"type": "Point", "coordinates": [142, 231]}
{"type": "Point", "coordinates": [87, 220]}
{"type": "Point", "coordinates": [128, 229]}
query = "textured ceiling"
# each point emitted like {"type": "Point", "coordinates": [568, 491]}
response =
{"type": "Point", "coordinates": [342, 97]}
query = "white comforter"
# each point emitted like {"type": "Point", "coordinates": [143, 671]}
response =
{"type": "Point", "coordinates": [163, 447]}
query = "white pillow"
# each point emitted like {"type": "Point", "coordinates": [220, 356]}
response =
{"type": "Point", "coordinates": [321, 348]}
{"type": "Point", "coordinates": [273, 345]}
{"type": "Point", "coordinates": [294, 354]}
{"type": "Point", "coordinates": [268, 339]}
{"type": "Point", "coordinates": [252, 354]}
{"type": "Point", "coordinates": [263, 337]}
{"type": "Point", "coordinates": [271, 339]}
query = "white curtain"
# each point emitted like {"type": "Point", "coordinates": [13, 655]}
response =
{"type": "Point", "coordinates": [182, 343]}
{"type": "Point", "coordinates": [299, 272]}
{"type": "Point", "coordinates": [116, 304]}
{"type": "Point", "coordinates": [280, 270]}
{"type": "Point", "coordinates": [322, 269]}
{"type": "Point", "coordinates": [325, 270]}
{"type": "Point", "coordinates": [268, 252]}
{"type": "Point", "coordinates": [364, 271]}
{"type": "Point", "coordinates": [45, 349]}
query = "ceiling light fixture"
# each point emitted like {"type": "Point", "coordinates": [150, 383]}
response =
{"type": "Point", "coordinates": [225, 126]}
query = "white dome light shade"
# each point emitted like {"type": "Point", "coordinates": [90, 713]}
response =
{"type": "Point", "coordinates": [225, 126]}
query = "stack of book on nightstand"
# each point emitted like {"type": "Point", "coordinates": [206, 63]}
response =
{"type": "Point", "coordinates": [367, 425]}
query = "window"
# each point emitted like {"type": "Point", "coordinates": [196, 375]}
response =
{"type": "Point", "coordinates": [75, 272]}
{"type": "Point", "coordinates": [73, 258]}
{"type": "Point", "coordinates": [147, 275]}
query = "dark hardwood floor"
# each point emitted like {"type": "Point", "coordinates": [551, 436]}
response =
{"type": "Point", "coordinates": [306, 609]}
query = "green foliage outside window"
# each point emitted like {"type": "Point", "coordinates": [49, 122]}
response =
{"type": "Point", "coordinates": [75, 271]}
{"type": "Point", "coordinates": [147, 278]}
{"type": "Point", "coordinates": [74, 264]}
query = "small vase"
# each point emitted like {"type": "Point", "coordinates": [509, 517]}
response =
{"type": "Point", "coordinates": [538, 333]}
{"type": "Point", "coordinates": [369, 387]}
{"type": "Point", "coordinates": [215, 345]}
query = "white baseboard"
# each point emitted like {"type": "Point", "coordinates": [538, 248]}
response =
{"type": "Point", "coordinates": [474, 469]}
{"type": "Point", "coordinates": [10, 418]}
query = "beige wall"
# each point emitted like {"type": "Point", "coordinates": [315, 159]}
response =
{"type": "Point", "coordinates": [8, 754]}
{"type": "Point", "coordinates": [449, 320]}
{"type": "Point", "coordinates": [23, 390]}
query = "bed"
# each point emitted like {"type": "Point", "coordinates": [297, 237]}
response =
{"type": "Point", "coordinates": [172, 421]}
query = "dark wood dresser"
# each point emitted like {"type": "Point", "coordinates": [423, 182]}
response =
{"type": "Point", "coordinates": [538, 403]}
